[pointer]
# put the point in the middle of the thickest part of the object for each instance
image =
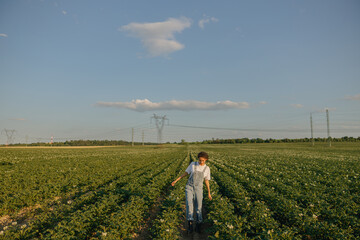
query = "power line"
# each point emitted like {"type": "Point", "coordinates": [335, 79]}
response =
{"type": "Point", "coordinates": [256, 129]}
{"type": "Point", "coordinates": [241, 129]}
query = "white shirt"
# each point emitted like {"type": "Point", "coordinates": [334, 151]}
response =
{"type": "Point", "coordinates": [191, 168]}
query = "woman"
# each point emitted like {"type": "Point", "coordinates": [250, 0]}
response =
{"type": "Point", "coordinates": [198, 172]}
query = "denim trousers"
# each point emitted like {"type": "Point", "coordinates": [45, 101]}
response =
{"type": "Point", "coordinates": [194, 197]}
{"type": "Point", "coordinates": [194, 194]}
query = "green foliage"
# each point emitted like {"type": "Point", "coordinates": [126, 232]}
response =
{"type": "Point", "coordinates": [169, 219]}
{"type": "Point", "coordinates": [101, 193]}
{"type": "Point", "coordinates": [285, 193]}
{"type": "Point", "coordinates": [260, 191]}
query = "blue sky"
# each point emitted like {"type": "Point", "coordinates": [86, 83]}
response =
{"type": "Point", "coordinates": [96, 69]}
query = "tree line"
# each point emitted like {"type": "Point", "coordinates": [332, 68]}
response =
{"type": "Point", "coordinates": [182, 142]}
{"type": "Point", "coordinates": [284, 140]}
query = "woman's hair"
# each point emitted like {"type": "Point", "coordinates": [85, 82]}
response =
{"type": "Point", "coordinates": [203, 154]}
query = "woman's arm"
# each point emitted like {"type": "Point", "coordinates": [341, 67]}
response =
{"type": "Point", "coordinates": [183, 175]}
{"type": "Point", "coordinates": [208, 188]}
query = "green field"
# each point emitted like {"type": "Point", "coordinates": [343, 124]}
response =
{"type": "Point", "coordinates": [260, 191]}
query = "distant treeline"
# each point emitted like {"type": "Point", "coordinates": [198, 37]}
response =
{"type": "Point", "coordinates": [73, 143]}
{"type": "Point", "coordinates": [284, 140]}
{"type": "Point", "coordinates": [212, 141]}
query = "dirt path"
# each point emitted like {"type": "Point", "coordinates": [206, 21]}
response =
{"type": "Point", "coordinates": [194, 235]}
{"type": "Point", "coordinates": [26, 215]}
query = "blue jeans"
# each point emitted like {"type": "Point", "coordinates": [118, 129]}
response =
{"type": "Point", "coordinates": [194, 197]}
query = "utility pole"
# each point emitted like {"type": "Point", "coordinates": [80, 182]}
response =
{"type": "Point", "coordinates": [328, 127]}
{"type": "Point", "coordinates": [160, 121]}
{"type": "Point", "coordinates": [142, 137]}
{"type": "Point", "coordinates": [132, 136]}
{"type": "Point", "coordinates": [311, 126]}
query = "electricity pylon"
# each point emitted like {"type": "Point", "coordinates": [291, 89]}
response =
{"type": "Point", "coordinates": [160, 122]}
{"type": "Point", "coordinates": [10, 136]}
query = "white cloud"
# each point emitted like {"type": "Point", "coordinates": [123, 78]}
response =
{"type": "Point", "coordinates": [262, 102]}
{"type": "Point", "coordinates": [206, 20]}
{"type": "Point", "coordinates": [3, 35]}
{"type": "Point", "coordinates": [142, 105]}
{"type": "Point", "coordinates": [297, 105]}
{"type": "Point", "coordinates": [64, 12]}
{"type": "Point", "coordinates": [355, 97]}
{"type": "Point", "coordinates": [17, 119]}
{"type": "Point", "coordinates": [158, 37]}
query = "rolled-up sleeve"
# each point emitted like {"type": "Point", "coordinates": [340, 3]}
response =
{"type": "Point", "coordinates": [207, 174]}
{"type": "Point", "coordinates": [190, 168]}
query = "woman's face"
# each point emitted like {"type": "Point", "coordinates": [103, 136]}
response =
{"type": "Point", "coordinates": [202, 160]}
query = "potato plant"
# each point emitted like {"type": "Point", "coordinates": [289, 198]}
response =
{"type": "Point", "coordinates": [260, 191]}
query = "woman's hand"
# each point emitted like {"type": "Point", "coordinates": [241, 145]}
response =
{"type": "Point", "coordinates": [179, 178]}
{"type": "Point", "coordinates": [208, 189]}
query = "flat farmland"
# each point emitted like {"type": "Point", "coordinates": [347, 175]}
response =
{"type": "Point", "coordinates": [260, 191]}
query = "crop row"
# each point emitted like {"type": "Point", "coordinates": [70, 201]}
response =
{"type": "Point", "coordinates": [171, 216]}
{"type": "Point", "coordinates": [35, 176]}
{"type": "Point", "coordinates": [308, 213]}
{"type": "Point", "coordinates": [114, 209]}
{"type": "Point", "coordinates": [122, 193]}
{"type": "Point", "coordinates": [258, 196]}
